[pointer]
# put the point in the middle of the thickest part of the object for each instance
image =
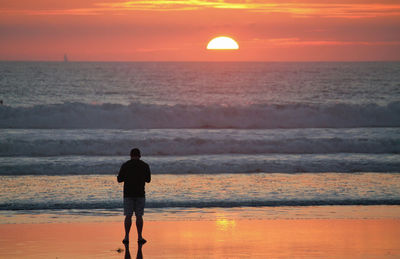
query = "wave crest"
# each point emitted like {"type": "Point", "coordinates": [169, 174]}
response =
{"type": "Point", "coordinates": [196, 204]}
{"type": "Point", "coordinates": [197, 146]}
{"type": "Point", "coordinates": [146, 116]}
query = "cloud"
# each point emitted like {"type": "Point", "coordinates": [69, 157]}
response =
{"type": "Point", "coordinates": [343, 10]}
{"type": "Point", "coordinates": [156, 49]}
{"type": "Point", "coordinates": [306, 8]}
{"type": "Point", "coordinates": [299, 42]}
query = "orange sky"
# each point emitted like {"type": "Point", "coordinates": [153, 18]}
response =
{"type": "Point", "coordinates": [280, 30]}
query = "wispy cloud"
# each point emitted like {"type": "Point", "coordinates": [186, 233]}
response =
{"type": "Point", "coordinates": [299, 9]}
{"type": "Point", "coordinates": [299, 42]}
{"type": "Point", "coordinates": [349, 10]}
{"type": "Point", "coordinates": [77, 11]}
{"type": "Point", "coordinates": [156, 49]}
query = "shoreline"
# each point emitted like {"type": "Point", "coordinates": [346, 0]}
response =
{"type": "Point", "coordinates": [204, 214]}
{"type": "Point", "coordinates": [221, 238]}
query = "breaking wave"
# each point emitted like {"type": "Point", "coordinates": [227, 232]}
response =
{"type": "Point", "coordinates": [146, 116]}
{"type": "Point", "coordinates": [206, 164]}
{"type": "Point", "coordinates": [197, 146]}
{"type": "Point", "coordinates": [195, 204]}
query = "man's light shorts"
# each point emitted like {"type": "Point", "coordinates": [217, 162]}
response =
{"type": "Point", "coordinates": [134, 204]}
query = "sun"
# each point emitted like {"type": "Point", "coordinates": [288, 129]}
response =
{"type": "Point", "coordinates": [222, 42]}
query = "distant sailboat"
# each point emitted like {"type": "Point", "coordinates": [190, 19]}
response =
{"type": "Point", "coordinates": [65, 58]}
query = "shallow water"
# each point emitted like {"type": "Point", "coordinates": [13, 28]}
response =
{"type": "Point", "coordinates": [101, 192]}
{"type": "Point", "coordinates": [218, 136]}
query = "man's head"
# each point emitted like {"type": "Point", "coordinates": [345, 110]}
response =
{"type": "Point", "coordinates": [135, 153]}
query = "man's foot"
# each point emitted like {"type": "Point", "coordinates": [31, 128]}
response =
{"type": "Point", "coordinates": [125, 241]}
{"type": "Point", "coordinates": [141, 241]}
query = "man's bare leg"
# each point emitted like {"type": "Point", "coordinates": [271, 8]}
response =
{"type": "Point", "coordinates": [139, 226]}
{"type": "Point", "coordinates": [128, 224]}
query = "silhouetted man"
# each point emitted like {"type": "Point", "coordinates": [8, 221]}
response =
{"type": "Point", "coordinates": [134, 173]}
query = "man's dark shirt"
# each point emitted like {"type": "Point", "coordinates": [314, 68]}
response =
{"type": "Point", "coordinates": [134, 173]}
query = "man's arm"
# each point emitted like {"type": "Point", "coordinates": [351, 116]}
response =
{"type": "Point", "coordinates": [148, 174]}
{"type": "Point", "coordinates": [121, 174]}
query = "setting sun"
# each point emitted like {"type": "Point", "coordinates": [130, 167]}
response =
{"type": "Point", "coordinates": [222, 42]}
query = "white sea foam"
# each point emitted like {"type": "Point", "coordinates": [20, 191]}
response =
{"type": "Point", "coordinates": [112, 205]}
{"type": "Point", "coordinates": [145, 116]}
{"type": "Point", "coordinates": [209, 164]}
{"type": "Point", "coordinates": [100, 142]}
{"type": "Point", "coordinates": [196, 146]}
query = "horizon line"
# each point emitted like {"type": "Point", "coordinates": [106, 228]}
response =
{"type": "Point", "coordinates": [201, 61]}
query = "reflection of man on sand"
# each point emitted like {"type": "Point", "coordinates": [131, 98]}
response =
{"type": "Point", "coordinates": [134, 173]}
{"type": "Point", "coordinates": [139, 254]}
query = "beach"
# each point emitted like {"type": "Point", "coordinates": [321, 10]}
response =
{"type": "Point", "coordinates": [288, 238]}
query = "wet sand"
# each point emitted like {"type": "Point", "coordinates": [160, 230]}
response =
{"type": "Point", "coordinates": [222, 238]}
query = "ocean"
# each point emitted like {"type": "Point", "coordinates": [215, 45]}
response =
{"type": "Point", "coordinates": [243, 139]}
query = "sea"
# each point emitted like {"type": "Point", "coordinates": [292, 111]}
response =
{"type": "Point", "coordinates": [259, 140]}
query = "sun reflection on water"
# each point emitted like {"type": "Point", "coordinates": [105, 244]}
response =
{"type": "Point", "coordinates": [225, 224]}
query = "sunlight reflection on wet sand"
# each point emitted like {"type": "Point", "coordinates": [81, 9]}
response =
{"type": "Point", "coordinates": [223, 238]}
